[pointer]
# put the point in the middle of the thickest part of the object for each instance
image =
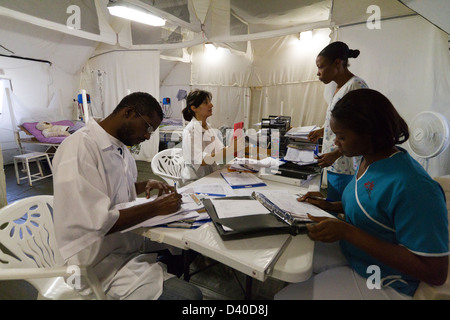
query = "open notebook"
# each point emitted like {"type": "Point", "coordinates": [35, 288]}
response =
{"type": "Point", "coordinates": [260, 214]}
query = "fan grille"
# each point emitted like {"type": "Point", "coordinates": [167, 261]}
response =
{"type": "Point", "coordinates": [429, 134]}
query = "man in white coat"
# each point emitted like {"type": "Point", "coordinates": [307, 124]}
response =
{"type": "Point", "coordinates": [94, 182]}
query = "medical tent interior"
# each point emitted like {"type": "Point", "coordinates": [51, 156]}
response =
{"type": "Point", "coordinates": [257, 58]}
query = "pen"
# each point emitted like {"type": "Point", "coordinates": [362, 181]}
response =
{"type": "Point", "coordinates": [316, 150]}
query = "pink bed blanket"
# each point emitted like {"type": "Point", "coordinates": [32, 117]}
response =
{"type": "Point", "coordinates": [31, 128]}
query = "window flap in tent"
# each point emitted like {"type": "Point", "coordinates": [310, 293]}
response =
{"type": "Point", "coordinates": [85, 19]}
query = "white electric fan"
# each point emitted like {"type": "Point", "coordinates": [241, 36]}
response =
{"type": "Point", "coordinates": [429, 135]}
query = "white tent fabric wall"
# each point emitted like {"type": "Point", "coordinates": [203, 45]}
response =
{"type": "Point", "coordinates": [280, 69]}
{"type": "Point", "coordinates": [36, 96]}
{"type": "Point", "coordinates": [226, 76]}
{"type": "Point", "coordinates": [175, 76]}
{"type": "Point", "coordinates": [36, 84]}
{"type": "Point", "coordinates": [123, 71]}
{"type": "Point", "coordinates": [285, 69]}
{"type": "Point", "coordinates": [405, 60]}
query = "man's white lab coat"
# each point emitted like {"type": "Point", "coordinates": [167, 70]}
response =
{"type": "Point", "coordinates": [93, 173]}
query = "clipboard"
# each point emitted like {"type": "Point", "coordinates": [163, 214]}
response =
{"type": "Point", "coordinates": [276, 222]}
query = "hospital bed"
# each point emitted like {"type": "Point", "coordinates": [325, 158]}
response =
{"type": "Point", "coordinates": [33, 136]}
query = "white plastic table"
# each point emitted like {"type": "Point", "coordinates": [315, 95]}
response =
{"type": "Point", "coordinates": [293, 265]}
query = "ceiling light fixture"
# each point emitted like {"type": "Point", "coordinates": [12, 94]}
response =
{"type": "Point", "coordinates": [306, 36]}
{"type": "Point", "coordinates": [210, 47]}
{"type": "Point", "coordinates": [129, 11]}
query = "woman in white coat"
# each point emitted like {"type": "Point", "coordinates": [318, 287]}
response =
{"type": "Point", "coordinates": [203, 149]}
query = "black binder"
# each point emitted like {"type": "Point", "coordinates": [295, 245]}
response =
{"type": "Point", "coordinates": [278, 221]}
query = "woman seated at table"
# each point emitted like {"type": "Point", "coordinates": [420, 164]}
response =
{"type": "Point", "coordinates": [395, 232]}
{"type": "Point", "coordinates": [203, 150]}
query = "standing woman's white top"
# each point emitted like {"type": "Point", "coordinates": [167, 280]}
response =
{"type": "Point", "coordinates": [203, 149]}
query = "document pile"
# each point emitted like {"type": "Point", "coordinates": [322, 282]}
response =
{"type": "Point", "coordinates": [188, 211]}
{"type": "Point", "coordinates": [300, 150]}
{"type": "Point", "coordinates": [300, 133]}
{"type": "Point", "coordinates": [253, 165]}
{"type": "Point", "coordinates": [302, 153]}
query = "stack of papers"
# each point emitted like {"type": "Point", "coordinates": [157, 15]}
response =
{"type": "Point", "coordinates": [238, 208]}
{"type": "Point", "coordinates": [189, 210]}
{"type": "Point", "coordinates": [300, 157]}
{"type": "Point", "coordinates": [300, 133]}
{"type": "Point", "coordinates": [212, 190]}
{"type": "Point", "coordinates": [253, 165]}
{"type": "Point", "coordinates": [298, 210]}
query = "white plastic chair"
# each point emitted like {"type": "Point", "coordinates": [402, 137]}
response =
{"type": "Point", "coordinates": [28, 251]}
{"type": "Point", "coordinates": [426, 291]}
{"type": "Point", "coordinates": [168, 165]}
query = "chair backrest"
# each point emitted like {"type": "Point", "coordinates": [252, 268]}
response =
{"type": "Point", "coordinates": [27, 237]}
{"type": "Point", "coordinates": [168, 164]}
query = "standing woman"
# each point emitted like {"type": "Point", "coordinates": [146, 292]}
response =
{"type": "Point", "coordinates": [332, 64]}
{"type": "Point", "coordinates": [203, 150]}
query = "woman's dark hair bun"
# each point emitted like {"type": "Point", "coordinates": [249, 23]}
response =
{"type": "Point", "coordinates": [195, 98]}
{"type": "Point", "coordinates": [353, 53]}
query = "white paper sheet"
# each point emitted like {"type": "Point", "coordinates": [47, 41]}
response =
{"type": "Point", "coordinates": [187, 211]}
{"type": "Point", "coordinates": [289, 203]}
{"type": "Point", "coordinates": [238, 208]}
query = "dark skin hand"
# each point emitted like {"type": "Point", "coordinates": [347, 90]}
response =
{"type": "Point", "coordinates": [167, 201]}
{"type": "Point", "coordinates": [148, 186]}
{"type": "Point", "coordinates": [432, 270]}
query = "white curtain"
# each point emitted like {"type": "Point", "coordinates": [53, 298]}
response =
{"type": "Point", "coordinates": [284, 79]}
{"type": "Point", "coordinates": [226, 76]}
{"type": "Point", "coordinates": [122, 71]}
{"type": "Point", "coordinates": [39, 93]}
{"type": "Point", "coordinates": [408, 61]}
{"type": "Point", "coordinates": [247, 87]}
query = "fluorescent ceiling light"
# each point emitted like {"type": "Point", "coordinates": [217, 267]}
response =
{"type": "Point", "coordinates": [128, 11]}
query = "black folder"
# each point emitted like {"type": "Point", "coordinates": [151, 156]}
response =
{"type": "Point", "coordinates": [278, 221]}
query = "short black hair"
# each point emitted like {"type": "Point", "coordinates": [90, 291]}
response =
{"type": "Point", "coordinates": [143, 102]}
{"type": "Point", "coordinates": [368, 112]}
{"type": "Point", "coordinates": [195, 98]}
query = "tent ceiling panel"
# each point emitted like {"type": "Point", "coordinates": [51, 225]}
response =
{"type": "Point", "coordinates": [347, 12]}
{"type": "Point", "coordinates": [29, 41]}
{"type": "Point", "coordinates": [56, 11]}
{"type": "Point", "coordinates": [75, 17]}
{"type": "Point", "coordinates": [229, 23]}
{"type": "Point", "coordinates": [435, 11]}
{"type": "Point", "coordinates": [269, 15]}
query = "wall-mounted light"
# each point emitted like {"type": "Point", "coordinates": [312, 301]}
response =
{"type": "Point", "coordinates": [306, 36]}
{"type": "Point", "coordinates": [210, 47]}
{"type": "Point", "coordinates": [130, 11]}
